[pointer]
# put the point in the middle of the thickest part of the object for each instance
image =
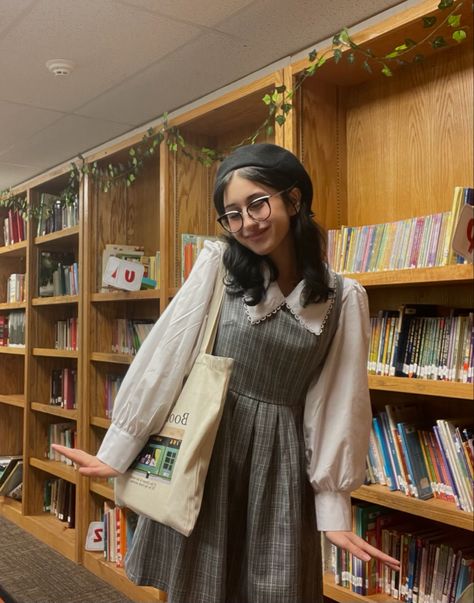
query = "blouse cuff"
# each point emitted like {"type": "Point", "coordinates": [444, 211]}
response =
{"type": "Point", "coordinates": [333, 511]}
{"type": "Point", "coordinates": [119, 449]}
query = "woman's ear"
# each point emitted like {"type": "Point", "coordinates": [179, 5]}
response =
{"type": "Point", "coordinates": [295, 200]}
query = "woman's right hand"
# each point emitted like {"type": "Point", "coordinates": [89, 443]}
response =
{"type": "Point", "coordinates": [87, 463]}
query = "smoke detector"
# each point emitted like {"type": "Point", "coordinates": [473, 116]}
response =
{"type": "Point", "coordinates": [60, 67]}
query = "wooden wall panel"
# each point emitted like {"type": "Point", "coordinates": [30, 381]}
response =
{"type": "Point", "coordinates": [409, 141]}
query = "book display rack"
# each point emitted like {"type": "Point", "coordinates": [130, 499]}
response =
{"type": "Point", "coordinates": [378, 149]}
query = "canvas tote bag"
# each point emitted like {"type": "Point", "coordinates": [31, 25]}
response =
{"type": "Point", "coordinates": [166, 480]}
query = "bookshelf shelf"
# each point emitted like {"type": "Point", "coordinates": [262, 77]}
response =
{"type": "Point", "coordinates": [57, 411]}
{"type": "Point", "coordinates": [10, 508]}
{"type": "Point", "coordinates": [95, 563]}
{"type": "Point", "coordinates": [100, 422]}
{"type": "Point", "coordinates": [53, 532]}
{"type": "Point", "coordinates": [345, 595]}
{"type": "Point", "coordinates": [438, 510]}
{"type": "Point", "coordinates": [56, 468]}
{"type": "Point", "coordinates": [15, 250]}
{"type": "Point", "coordinates": [126, 295]}
{"type": "Point", "coordinates": [102, 489]}
{"type": "Point", "coordinates": [447, 389]}
{"type": "Point", "coordinates": [54, 301]}
{"type": "Point", "coordinates": [53, 353]}
{"type": "Point", "coordinates": [6, 306]}
{"type": "Point", "coordinates": [60, 238]}
{"type": "Point", "coordinates": [12, 350]}
{"type": "Point", "coordinates": [13, 400]}
{"type": "Point", "coordinates": [113, 358]}
{"type": "Point", "coordinates": [455, 274]}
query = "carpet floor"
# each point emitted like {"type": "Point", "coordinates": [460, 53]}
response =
{"type": "Point", "coordinates": [32, 572]}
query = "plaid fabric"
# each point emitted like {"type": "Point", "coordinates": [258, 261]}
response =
{"type": "Point", "coordinates": [256, 539]}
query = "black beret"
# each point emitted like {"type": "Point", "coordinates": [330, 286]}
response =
{"type": "Point", "coordinates": [270, 156]}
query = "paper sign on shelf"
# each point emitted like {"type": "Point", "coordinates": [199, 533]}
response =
{"type": "Point", "coordinates": [123, 274]}
{"type": "Point", "coordinates": [95, 536]}
{"type": "Point", "coordinates": [463, 239]}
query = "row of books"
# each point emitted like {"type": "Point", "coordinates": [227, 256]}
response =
{"type": "Point", "coordinates": [134, 253]}
{"type": "Point", "coordinates": [63, 388]}
{"type": "Point", "coordinates": [421, 459]}
{"type": "Point", "coordinates": [129, 334]}
{"type": "Point", "coordinates": [191, 245]}
{"type": "Point", "coordinates": [112, 386]}
{"type": "Point", "coordinates": [436, 562]}
{"type": "Point", "coordinates": [12, 329]}
{"type": "Point", "coordinates": [11, 476]}
{"type": "Point", "coordinates": [59, 274]}
{"type": "Point", "coordinates": [119, 527]}
{"type": "Point", "coordinates": [64, 433]}
{"type": "Point", "coordinates": [418, 242]}
{"type": "Point", "coordinates": [16, 288]}
{"type": "Point", "coordinates": [14, 228]}
{"type": "Point", "coordinates": [54, 214]}
{"type": "Point", "coordinates": [59, 499]}
{"type": "Point", "coordinates": [424, 342]}
{"type": "Point", "coordinates": [66, 334]}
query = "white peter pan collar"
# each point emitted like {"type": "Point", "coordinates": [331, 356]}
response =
{"type": "Point", "coordinates": [313, 317]}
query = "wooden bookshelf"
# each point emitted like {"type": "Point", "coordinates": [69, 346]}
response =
{"type": "Point", "coordinates": [438, 510]}
{"type": "Point", "coordinates": [372, 146]}
{"type": "Point", "coordinates": [368, 143]}
{"type": "Point", "coordinates": [446, 389]}
{"type": "Point", "coordinates": [345, 595]}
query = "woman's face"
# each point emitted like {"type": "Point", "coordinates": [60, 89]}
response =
{"type": "Point", "coordinates": [269, 237]}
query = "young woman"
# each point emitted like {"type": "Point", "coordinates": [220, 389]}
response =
{"type": "Point", "coordinates": [294, 434]}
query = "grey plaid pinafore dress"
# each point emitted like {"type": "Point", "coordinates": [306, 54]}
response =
{"type": "Point", "coordinates": [256, 539]}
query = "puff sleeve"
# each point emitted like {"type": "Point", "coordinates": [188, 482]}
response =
{"type": "Point", "coordinates": [155, 377]}
{"type": "Point", "coordinates": [338, 415]}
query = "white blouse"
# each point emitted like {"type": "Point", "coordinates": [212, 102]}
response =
{"type": "Point", "coordinates": [337, 410]}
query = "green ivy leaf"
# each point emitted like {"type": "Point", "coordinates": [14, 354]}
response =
{"type": "Point", "coordinates": [428, 22]}
{"type": "Point", "coordinates": [454, 20]}
{"type": "Point", "coordinates": [386, 71]}
{"type": "Point", "coordinates": [280, 119]}
{"type": "Point", "coordinates": [267, 99]}
{"type": "Point", "coordinates": [270, 130]}
{"type": "Point", "coordinates": [367, 67]}
{"type": "Point", "coordinates": [351, 58]}
{"type": "Point", "coordinates": [131, 152]}
{"type": "Point", "coordinates": [438, 42]}
{"type": "Point", "coordinates": [445, 4]}
{"type": "Point", "coordinates": [286, 107]}
{"type": "Point", "coordinates": [321, 61]}
{"type": "Point", "coordinates": [280, 89]}
{"type": "Point", "coordinates": [344, 36]}
{"type": "Point", "coordinates": [312, 55]}
{"type": "Point", "coordinates": [337, 55]}
{"type": "Point", "coordinates": [311, 69]}
{"type": "Point", "coordinates": [459, 35]}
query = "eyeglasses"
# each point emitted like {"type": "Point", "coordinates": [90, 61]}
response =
{"type": "Point", "coordinates": [258, 210]}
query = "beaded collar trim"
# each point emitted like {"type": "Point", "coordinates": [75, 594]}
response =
{"type": "Point", "coordinates": [313, 317]}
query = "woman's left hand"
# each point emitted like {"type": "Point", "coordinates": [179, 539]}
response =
{"type": "Point", "coordinates": [360, 548]}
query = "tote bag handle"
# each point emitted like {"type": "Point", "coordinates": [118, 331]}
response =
{"type": "Point", "coordinates": [214, 312]}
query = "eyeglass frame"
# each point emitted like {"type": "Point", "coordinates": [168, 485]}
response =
{"type": "Point", "coordinates": [241, 213]}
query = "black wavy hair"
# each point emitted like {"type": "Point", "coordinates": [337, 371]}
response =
{"type": "Point", "coordinates": [246, 269]}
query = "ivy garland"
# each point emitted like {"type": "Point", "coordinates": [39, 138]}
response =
{"type": "Point", "coordinates": [279, 104]}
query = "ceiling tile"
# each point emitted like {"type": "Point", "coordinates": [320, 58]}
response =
{"type": "Point", "coordinates": [66, 138]}
{"type": "Point", "coordinates": [206, 13]}
{"type": "Point", "coordinates": [272, 27]}
{"type": "Point", "coordinates": [107, 41]}
{"type": "Point", "coordinates": [18, 122]}
{"type": "Point", "coordinates": [11, 174]}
